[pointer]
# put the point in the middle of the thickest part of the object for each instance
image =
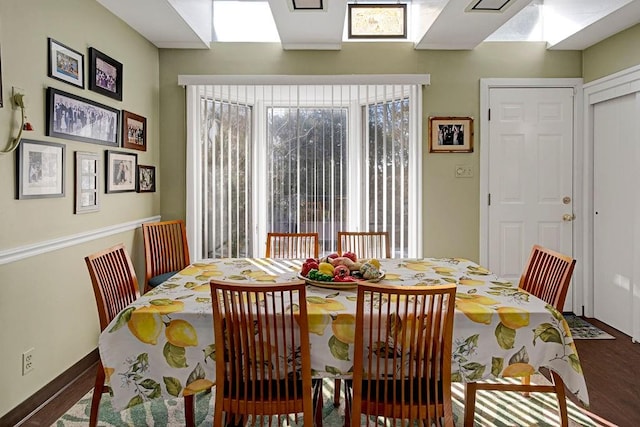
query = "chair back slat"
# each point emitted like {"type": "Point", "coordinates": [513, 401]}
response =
{"type": "Point", "coordinates": [165, 248]}
{"type": "Point", "coordinates": [292, 245]}
{"type": "Point", "coordinates": [114, 281]}
{"type": "Point", "coordinates": [547, 275]}
{"type": "Point", "coordinates": [402, 353]}
{"type": "Point", "coordinates": [365, 244]}
{"type": "Point", "coordinates": [263, 362]}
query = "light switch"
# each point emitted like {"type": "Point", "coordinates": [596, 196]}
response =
{"type": "Point", "coordinates": [464, 171]}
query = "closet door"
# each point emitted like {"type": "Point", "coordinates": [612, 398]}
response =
{"type": "Point", "coordinates": [615, 138]}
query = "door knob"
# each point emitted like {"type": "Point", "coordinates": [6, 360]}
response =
{"type": "Point", "coordinates": [568, 217]}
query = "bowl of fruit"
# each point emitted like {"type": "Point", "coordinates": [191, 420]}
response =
{"type": "Point", "coordinates": [340, 271]}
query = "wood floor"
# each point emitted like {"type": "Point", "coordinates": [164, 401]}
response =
{"type": "Point", "coordinates": [611, 368]}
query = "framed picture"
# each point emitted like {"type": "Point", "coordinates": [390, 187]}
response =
{"type": "Point", "coordinates": [72, 117]}
{"type": "Point", "coordinates": [134, 131]}
{"type": "Point", "coordinates": [450, 134]}
{"type": "Point", "coordinates": [87, 176]}
{"type": "Point", "coordinates": [105, 74]}
{"type": "Point", "coordinates": [39, 169]}
{"type": "Point", "coordinates": [121, 171]}
{"type": "Point", "coordinates": [146, 179]}
{"type": "Point", "coordinates": [65, 64]}
{"type": "Point", "coordinates": [378, 21]}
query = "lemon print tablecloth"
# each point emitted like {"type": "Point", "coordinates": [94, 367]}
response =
{"type": "Point", "coordinates": [162, 345]}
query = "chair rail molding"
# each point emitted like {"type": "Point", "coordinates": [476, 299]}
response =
{"type": "Point", "coordinates": [22, 252]}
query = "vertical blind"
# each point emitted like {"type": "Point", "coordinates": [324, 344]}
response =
{"type": "Point", "coordinates": [302, 158]}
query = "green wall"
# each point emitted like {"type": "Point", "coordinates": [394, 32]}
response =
{"type": "Point", "coordinates": [46, 300]}
{"type": "Point", "coordinates": [618, 52]}
{"type": "Point", "coordinates": [450, 206]}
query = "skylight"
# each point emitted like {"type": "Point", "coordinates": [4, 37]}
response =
{"type": "Point", "coordinates": [243, 21]}
{"type": "Point", "coordinates": [541, 20]}
{"type": "Point", "coordinates": [554, 20]}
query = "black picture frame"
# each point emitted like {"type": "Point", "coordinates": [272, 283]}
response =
{"type": "Point", "coordinates": [105, 74]}
{"type": "Point", "coordinates": [360, 15]}
{"type": "Point", "coordinates": [73, 117]}
{"type": "Point", "coordinates": [39, 169]}
{"type": "Point", "coordinates": [146, 179]}
{"type": "Point", "coordinates": [134, 131]}
{"type": "Point", "coordinates": [121, 171]}
{"type": "Point", "coordinates": [451, 134]}
{"type": "Point", "coordinates": [65, 64]}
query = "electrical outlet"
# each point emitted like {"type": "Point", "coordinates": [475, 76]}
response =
{"type": "Point", "coordinates": [464, 171]}
{"type": "Point", "coordinates": [16, 91]}
{"type": "Point", "coordinates": [27, 361]}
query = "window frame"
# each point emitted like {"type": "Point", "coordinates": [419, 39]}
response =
{"type": "Point", "coordinates": [355, 204]}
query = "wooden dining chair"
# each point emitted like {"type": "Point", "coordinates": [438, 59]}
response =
{"type": "Point", "coordinates": [365, 244]}
{"type": "Point", "coordinates": [263, 361]}
{"type": "Point", "coordinates": [292, 245]}
{"type": "Point", "coordinates": [166, 251]}
{"type": "Point", "coordinates": [402, 356]}
{"type": "Point", "coordinates": [547, 276]}
{"type": "Point", "coordinates": [115, 286]}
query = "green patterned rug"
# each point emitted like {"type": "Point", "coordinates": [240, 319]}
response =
{"type": "Point", "coordinates": [583, 330]}
{"type": "Point", "coordinates": [492, 409]}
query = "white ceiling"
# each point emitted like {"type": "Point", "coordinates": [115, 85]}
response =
{"type": "Point", "coordinates": [434, 24]}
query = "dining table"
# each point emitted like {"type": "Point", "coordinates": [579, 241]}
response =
{"type": "Point", "coordinates": [162, 345]}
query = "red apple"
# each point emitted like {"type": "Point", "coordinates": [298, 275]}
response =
{"type": "Point", "coordinates": [351, 256]}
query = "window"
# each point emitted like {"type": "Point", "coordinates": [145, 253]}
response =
{"type": "Point", "coordinates": [302, 158]}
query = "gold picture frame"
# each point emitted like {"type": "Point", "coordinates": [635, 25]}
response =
{"type": "Point", "coordinates": [450, 134]}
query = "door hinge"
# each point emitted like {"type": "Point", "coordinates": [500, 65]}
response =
{"type": "Point", "coordinates": [489, 199]}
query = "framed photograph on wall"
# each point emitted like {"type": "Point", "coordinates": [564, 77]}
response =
{"type": "Point", "coordinates": [146, 179]}
{"type": "Point", "coordinates": [450, 134]}
{"type": "Point", "coordinates": [65, 64]}
{"type": "Point", "coordinates": [39, 169]}
{"type": "Point", "coordinates": [121, 171]}
{"type": "Point", "coordinates": [134, 131]}
{"type": "Point", "coordinates": [72, 117]}
{"type": "Point", "coordinates": [87, 177]}
{"type": "Point", "coordinates": [105, 74]}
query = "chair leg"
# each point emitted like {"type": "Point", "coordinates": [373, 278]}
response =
{"type": "Point", "coordinates": [98, 389]}
{"type": "Point", "coordinates": [189, 411]}
{"type": "Point", "coordinates": [318, 403]}
{"type": "Point", "coordinates": [336, 392]}
{"type": "Point", "coordinates": [348, 406]}
{"type": "Point", "coordinates": [469, 403]}
{"type": "Point", "coordinates": [526, 381]}
{"type": "Point", "coordinates": [558, 384]}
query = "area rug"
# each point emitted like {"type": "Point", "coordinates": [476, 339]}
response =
{"type": "Point", "coordinates": [492, 409]}
{"type": "Point", "coordinates": [583, 330]}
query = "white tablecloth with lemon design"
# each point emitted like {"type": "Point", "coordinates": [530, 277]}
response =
{"type": "Point", "coordinates": [162, 345]}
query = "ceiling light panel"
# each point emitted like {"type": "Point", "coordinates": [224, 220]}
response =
{"type": "Point", "coordinates": [307, 4]}
{"type": "Point", "coordinates": [488, 5]}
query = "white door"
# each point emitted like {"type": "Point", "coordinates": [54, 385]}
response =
{"type": "Point", "coordinates": [530, 176]}
{"type": "Point", "coordinates": [614, 159]}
